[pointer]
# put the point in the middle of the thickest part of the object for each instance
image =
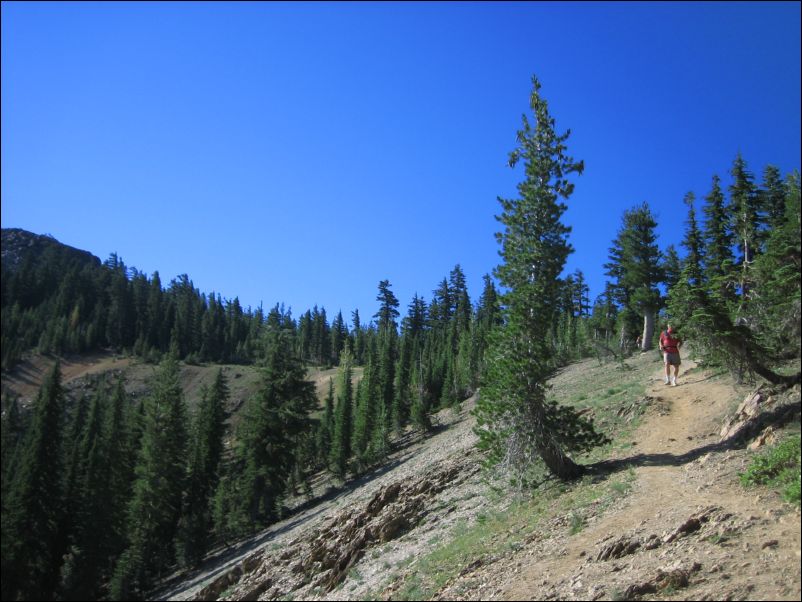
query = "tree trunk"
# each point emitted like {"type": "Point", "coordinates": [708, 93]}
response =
{"type": "Point", "coordinates": [560, 465]}
{"type": "Point", "coordinates": [648, 330]}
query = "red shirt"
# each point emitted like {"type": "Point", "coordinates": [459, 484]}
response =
{"type": "Point", "coordinates": [669, 343]}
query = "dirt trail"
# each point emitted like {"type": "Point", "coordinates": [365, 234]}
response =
{"type": "Point", "coordinates": [748, 547]}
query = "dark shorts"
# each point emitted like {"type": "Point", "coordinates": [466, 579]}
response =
{"type": "Point", "coordinates": [671, 358]}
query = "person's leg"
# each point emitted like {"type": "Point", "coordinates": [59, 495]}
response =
{"type": "Point", "coordinates": [676, 374]}
{"type": "Point", "coordinates": [668, 367]}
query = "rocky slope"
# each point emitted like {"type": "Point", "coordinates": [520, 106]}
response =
{"type": "Point", "coordinates": [679, 527]}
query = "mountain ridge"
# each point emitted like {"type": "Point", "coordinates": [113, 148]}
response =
{"type": "Point", "coordinates": [18, 244]}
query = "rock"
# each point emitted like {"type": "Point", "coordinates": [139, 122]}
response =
{"type": "Point", "coordinates": [694, 523]}
{"type": "Point", "coordinates": [767, 436]}
{"type": "Point", "coordinates": [772, 543]}
{"type": "Point", "coordinates": [619, 548]}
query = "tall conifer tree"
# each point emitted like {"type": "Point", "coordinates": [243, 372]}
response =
{"type": "Point", "coordinates": [343, 420]}
{"type": "Point", "coordinates": [155, 508]}
{"type": "Point", "coordinates": [515, 421]}
{"type": "Point", "coordinates": [32, 515]}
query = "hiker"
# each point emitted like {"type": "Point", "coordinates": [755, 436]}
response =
{"type": "Point", "coordinates": [669, 345]}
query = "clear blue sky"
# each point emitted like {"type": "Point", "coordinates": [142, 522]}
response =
{"type": "Point", "coordinates": [303, 152]}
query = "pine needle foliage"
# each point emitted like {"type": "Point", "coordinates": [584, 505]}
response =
{"type": "Point", "coordinates": [516, 423]}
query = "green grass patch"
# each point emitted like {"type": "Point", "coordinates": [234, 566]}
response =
{"type": "Point", "coordinates": [777, 467]}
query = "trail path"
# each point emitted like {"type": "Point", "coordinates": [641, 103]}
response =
{"type": "Point", "coordinates": [747, 545]}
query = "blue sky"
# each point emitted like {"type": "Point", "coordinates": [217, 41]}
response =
{"type": "Point", "coordinates": [303, 152]}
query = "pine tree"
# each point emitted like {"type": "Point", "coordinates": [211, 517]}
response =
{"type": "Point", "coordinates": [155, 508]}
{"type": "Point", "coordinates": [339, 334]}
{"type": "Point", "coordinates": [772, 198]}
{"type": "Point", "coordinates": [515, 421]}
{"type": "Point", "coordinates": [387, 313]}
{"type": "Point", "coordinates": [32, 515]}
{"type": "Point", "coordinates": [776, 311]}
{"type": "Point", "coordinates": [88, 554]}
{"type": "Point", "coordinates": [718, 261]}
{"type": "Point", "coordinates": [122, 446]}
{"type": "Point", "coordinates": [692, 242]}
{"type": "Point", "coordinates": [672, 267]}
{"type": "Point", "coordinates": [276, 417]}
{"type": "Point", "coordinates": [366, 407]}
{"type": "Point", "coordinates": [746, 226]}
{"type": "Point", "coordinates": [325, 429]}
{"type": "Point", "coordinates": [635, 263]}
{"type": "Point", "coordinates": [709, 318]}
{"type": "Point", "coordinates": [12, 431]}
{"type": "Point", "coordinates": [401, 399]}
{"type": "Point", "coordinates": [358, 339]}
{"type": "Point", "coordinates": [205, 458]}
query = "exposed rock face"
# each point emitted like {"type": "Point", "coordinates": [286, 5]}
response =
{"type": "Point", "coordinates": [323, 557]}
{"type": "Point", "coordinates": [759, 414]}
{"type": "Point", "coordinates": [751, 407]}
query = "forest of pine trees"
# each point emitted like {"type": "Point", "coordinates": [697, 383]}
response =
{"type": "Point", "coordinates": [103, 495]}
{"type": "Point", "coordinates": [129, 490]}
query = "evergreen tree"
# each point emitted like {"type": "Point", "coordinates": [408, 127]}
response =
{"type": "Point", "coordinates": [387, 313]}
{"type": "Point", "coordinates": [776, 311]}
{"type": "Point", "coordinates": [205, 458]}
{"type": "Point", "coordinates": [366, 407]}
{"type": "Point", "coordinates": [276, 416]}
{"type": "Point", "coordinates": [339, 334]}
{"type": "Point", "coordinates": [121, 445]}
{"type": "Point", "coordinates": [772, 197]}
{"type": "Point", "coordinates": [401, 391]}
{"type": "Point", "coordinates": [12, 431]}
{"type": "Point", "coordinates": [672, 267]}
{"type": "Point", "coordinates": [718, 259]}
{"type": "Point", "coordinates": [515, 421]}
{"type": "Point", "coordinates": [746, 222]}
{"type": "Point", "coordinates": [635, 263]}
{"type": "Point", "coordinates": [325, 430]}
{"type": "Point", "coordinates": [488, 318]}
{"type": "Point", "coordinates": [708, 319]}
{"type": "Point", "coordinates": [358, 339]}
{"type": "Point", "coordinates": [693, 245]}
{"type": "Point", "coordinates": [343, 419]}
{"type": "Point", "coordinates": [88, 554]}
{"type": "Point", "coordinates": [32, 515]}
{"type": "Point", "coordinates": [155, 508]}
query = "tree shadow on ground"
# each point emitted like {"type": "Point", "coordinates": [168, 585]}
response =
{"type": "Point", "coordinates": [778, 416]}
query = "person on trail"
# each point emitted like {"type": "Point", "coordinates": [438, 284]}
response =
{"type": "Point", "coordinates": [669, 345]}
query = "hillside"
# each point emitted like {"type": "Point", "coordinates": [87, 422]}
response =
{"type": "Point", "coordinates": [78, 370]}
{"type": "Point", "coordinates": [662, 516]}
{"type": "Point", "coordinates": [18, 245]}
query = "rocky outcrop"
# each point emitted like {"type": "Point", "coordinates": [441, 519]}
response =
{"type": "Point", "coordinates": [322, 558]}
{"type": "Point", "coordinates": [668, 579]}
{"type": "Point", "coordinates": [758, 415]}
